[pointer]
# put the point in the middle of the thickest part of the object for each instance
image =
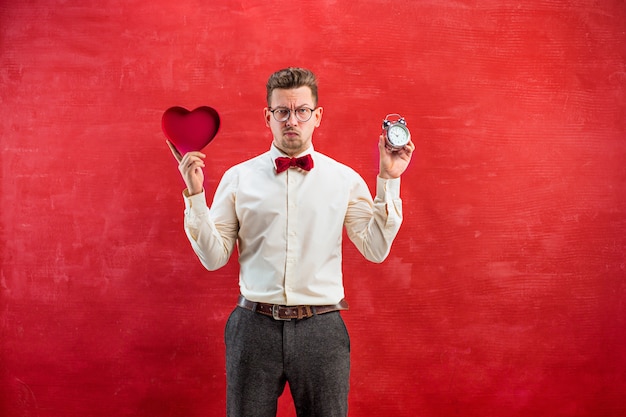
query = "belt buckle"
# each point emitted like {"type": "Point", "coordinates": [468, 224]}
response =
{"type": "Point", "coordinates": [276, 313]}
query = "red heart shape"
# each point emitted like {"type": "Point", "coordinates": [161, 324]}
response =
{"type": "Point", "coordinates": [190, 130]}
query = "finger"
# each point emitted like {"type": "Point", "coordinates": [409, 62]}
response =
{"type": "Point", "coordinates": [175, 152]}
{"type": "Point", "coordinates": [409, 147]}
{"type": "Point", "coordinates": [192, 164]}
{"type": "Point", "coordinates": [192, 157]}
{"type": "Point", "coordinates": [383, 146]}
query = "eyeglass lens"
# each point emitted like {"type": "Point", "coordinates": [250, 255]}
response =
{"type": "Point", "coordinates": [303, 114]}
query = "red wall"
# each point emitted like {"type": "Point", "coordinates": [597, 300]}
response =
{"type": "Point", "coordinates": [505, 293]}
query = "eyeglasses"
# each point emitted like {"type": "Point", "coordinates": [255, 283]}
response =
{"type": "Point", "coordinates": [283, 114]}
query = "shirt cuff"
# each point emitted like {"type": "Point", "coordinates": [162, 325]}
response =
{"type": "Point", "coordinates": [387, 189]}
{"type": "Point", "coordinates": [195, 203]}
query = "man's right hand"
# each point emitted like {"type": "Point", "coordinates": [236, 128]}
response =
{"type": "Point", "coordinates": [190, 166]}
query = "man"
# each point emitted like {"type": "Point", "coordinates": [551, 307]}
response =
{"type": "Point", "coordinates": [286, 209]}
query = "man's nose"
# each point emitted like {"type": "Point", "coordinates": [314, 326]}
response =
{"type": "Point", "coordinates": [292, 120]}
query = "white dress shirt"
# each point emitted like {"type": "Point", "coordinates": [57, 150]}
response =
{"type": "Point", "coordinates": [289, 226]}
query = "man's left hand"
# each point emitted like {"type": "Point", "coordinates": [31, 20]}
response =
{"type": "Point", "coordinates": [394, 162]}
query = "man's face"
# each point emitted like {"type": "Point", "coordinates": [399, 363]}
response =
{"type": "Point", "coordinates": [292, 136]}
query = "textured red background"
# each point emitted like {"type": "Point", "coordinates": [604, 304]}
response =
{"type": "Point", "coordinates": [505, 293]}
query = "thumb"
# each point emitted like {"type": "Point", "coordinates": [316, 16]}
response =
{"type": "Point", "coordinates": [175, 151]}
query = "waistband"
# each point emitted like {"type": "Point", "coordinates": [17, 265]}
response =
{"type": "Point", "coordinates": [281, 312]}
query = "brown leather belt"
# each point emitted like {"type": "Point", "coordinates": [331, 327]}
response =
{"type": "Point", "coordinates": [280, 312]}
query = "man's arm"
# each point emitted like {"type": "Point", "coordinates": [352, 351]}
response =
{"type": "Point", "coordinates": [213, 243]}
{"type": "Point", "coordinates": [372, 226]}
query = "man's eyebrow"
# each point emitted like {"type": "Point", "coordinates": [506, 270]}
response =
{"type": "Point", "coordinates": [310, 106]}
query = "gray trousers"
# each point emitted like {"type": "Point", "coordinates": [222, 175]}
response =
{"type": "Point", "coordinates": [262, 354]}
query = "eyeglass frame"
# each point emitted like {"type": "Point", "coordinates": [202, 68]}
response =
{"type": "Point", "coordinates": [289, 111]}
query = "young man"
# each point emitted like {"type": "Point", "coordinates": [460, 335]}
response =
{"type": "Point", "coordinates": [286, 210]}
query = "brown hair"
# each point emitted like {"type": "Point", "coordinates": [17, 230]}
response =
{"type": "Point", "coordinates": [292, 77]}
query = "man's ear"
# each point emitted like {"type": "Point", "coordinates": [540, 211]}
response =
{"type": "Point", "coordinates": [268, 114]}
{"type": "Point", "coordinates": [318, 116]}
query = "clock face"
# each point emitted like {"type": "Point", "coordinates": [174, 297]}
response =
{"type": "Point", "coordinates": [398, 135]}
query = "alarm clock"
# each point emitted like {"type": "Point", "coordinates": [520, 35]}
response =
{"type": "Point", "coordinates": [397, 135]}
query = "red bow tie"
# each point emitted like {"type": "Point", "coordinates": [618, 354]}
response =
{"type": "Point", "coordinates": [304, 162]}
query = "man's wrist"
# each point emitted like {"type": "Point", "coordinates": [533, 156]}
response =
{"type": "Point", "coordinates": [188, 193]}
{"type": "Point", "coordinates": [386, 176]}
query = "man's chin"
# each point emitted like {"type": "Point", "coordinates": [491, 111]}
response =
{"type": "Point", "coordinates": [292, 142]}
